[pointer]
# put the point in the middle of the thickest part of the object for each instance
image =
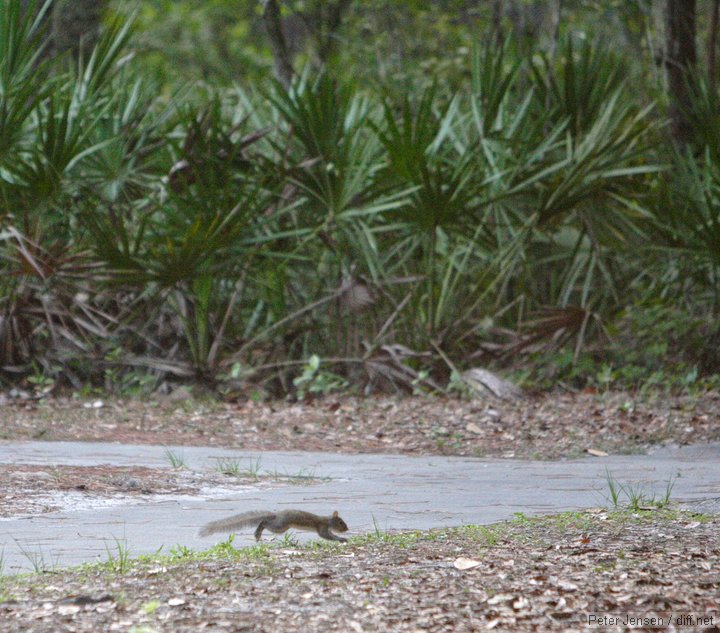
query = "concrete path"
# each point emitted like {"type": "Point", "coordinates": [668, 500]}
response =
{"type": "Point", "coordinates": [388, 491]}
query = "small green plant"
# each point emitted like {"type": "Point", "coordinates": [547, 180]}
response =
{"type": "Point", "coordinates": [236, 372]}
{"type": "Point", "coordinates": [303, 476]}
{"type": "Point", "coordinates": [41, 380]}
{"type": "Point", "coordinates": [520, 518]}
{"type": "Point", "coordinates": [376, 527]}
{"type": "Point", "coordinates": [181, 551]}
{"type": "Point", "coordinates": [489, 535]}
{"type": "Point", "coordinates": [233, 468]}
{"type": "Point", "coordinates": [253, 470]}
{"type": "Point", "coordinates": [118, 560]}
{"type": "Point", "coordinates": [233, 377]}
{"type": "Point", "coordinates": [457, 384]}
{"type": "Point", "coordinates": [226, 550]}
{"type": "Point", "coordinates": [665, 499]}
{"type": "Point", "coordinates": [137, 383]}
{"type": "Point", "coordinates": [177, 461]}
{"type": "Point", "coordinates": [605, 377]}
{"type": "Point", "coordinates": [37, 560]}
{"type": "Point", "coordinates": [150, 607]}
{"type": "Point", "coordinates": [614, 489]}
{"type": "Point", "coordinates": [142, 628]}
{"type": "Point", "coordinates": [312, 380]}
{"type": "Point", "coordinates": [605, 567]}
{"type": "Point", "coordinates": [289, 540]}
{"type": "Point", "coordinates": [225, 546]}
{"type": "Point", "coordinates": [418, 383]}
{"type": "Point", "coordinates": [638, 499]}
{"type": "Point", "coordinates": [230, 467]}
{"type": "Point", "coordinates": [124, 381]}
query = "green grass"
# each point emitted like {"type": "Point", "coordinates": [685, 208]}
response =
{"type": "Point", "coordinates": [175, 459]}
{"type": "Point", "coordinates": [37, 559]}
{"type": "Point", "coordinates": [252, 470]}
{"type": "Point", "coordinates": [636, 496]}
{"type": "Point", "coordinates": [150, 607]}
{"type": "Point", "coordinates": [235, 468]}
{"type": "Point", "coordinates": [230, 467]}
{"type": "Point", "coordinates": [266, 562]}
{"type": "Point", "coordinates": [301, 477]}
{"type": "Point", "coordinates": [118, 560]}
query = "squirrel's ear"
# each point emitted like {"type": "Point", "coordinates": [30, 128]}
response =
{"type": "Point", "coordinates": [335, 514]}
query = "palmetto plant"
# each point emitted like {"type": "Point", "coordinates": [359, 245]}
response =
{"type": "Point", "coordinates": [194, 232]}
{"type": "Point", "coordinates": [331, 160]}
{"type": "Point", "coordinates": [576, 85]}
{"type": "Point", "coordinates": [583, 191]}
{"type": "Point", "coordinates": [24, 86]}
{"type": "Point", "coordinates": [47, 120]}
{"type": "Point", "coordinates": [193, 241]}
{"type": "Point", "coordinates": [688, 217]}
{"type": "Point", "coordinates": [444, 200]}
{"type": "Point", "coordinates": [704, 116]}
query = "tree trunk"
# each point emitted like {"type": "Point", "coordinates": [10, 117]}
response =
{"type": "Point", "coordinates": [680, 60]}
{"type": "Point", "coordinates": [555, 19]}
{"type": "Point", "coordinates": [75, 26]}
{"type": "Point", "coordinates": [712, 46]}
{"type": "Point", "coordinates": [329, 27]}
{"type": "Point", "coordinates": [283, 66]}
{"type": "Point", "coordinates": [497, 23]}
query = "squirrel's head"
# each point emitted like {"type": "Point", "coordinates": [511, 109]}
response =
{"type": "Point", "coordinates": [337, 523]}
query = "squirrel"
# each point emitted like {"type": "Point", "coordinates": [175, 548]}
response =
{"type": "Point", "coordinates": [279, 522]}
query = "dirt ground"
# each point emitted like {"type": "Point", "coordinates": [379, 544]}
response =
{"type": "Point", "coordinates": [29, 490]}
{"type": "Point", "coordinates": [527, 575]}
{"type": "Point", "coordinates": [550, 426]}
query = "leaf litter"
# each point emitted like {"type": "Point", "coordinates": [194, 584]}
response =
{"type": "Point", "coordinates": [548, 426]}
{"type": "Point", "coordinates": [532, 575]}
{"type": "Point", "coordinates": [527, 575]}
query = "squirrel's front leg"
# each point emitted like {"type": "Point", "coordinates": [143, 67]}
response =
{"type": "Point", "coordinates": [259, 530]}
{"type": "Point", "coordinates": [326, 533]}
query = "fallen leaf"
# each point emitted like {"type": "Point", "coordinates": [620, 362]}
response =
{"type": "Point", "coordinates": [596, 452]}
{"type": "Point", "coordinates": [566, 585]}
{"type": "Point", "coordinates": [500, 598]}
{"type": "Point", "coordinates": [463, 563]}
{"type": "Point", "coordinates": [154, 571]}
{"type": "Point", "coordinates": [473, 428]}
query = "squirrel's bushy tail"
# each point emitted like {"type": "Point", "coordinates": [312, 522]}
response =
{"type": "Point", "coordinates": [235, 522]}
